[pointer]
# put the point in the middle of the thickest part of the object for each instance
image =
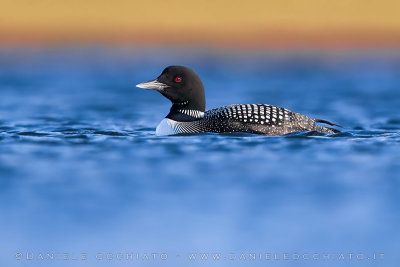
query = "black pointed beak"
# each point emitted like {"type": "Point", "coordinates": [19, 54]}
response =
{"type": "Point", "coordinates": [152, 85]}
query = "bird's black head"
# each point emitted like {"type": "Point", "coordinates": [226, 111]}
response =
{"type": "Point", "coordinates": [181, 85]}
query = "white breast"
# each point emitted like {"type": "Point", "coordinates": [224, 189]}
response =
{"type": "Point", "coordinates": [167, 127]}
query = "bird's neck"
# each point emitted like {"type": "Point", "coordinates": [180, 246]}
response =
{"type": "Point", "coordinates": [185, 111]}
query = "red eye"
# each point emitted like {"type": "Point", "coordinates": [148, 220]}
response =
{"type": "Point", "coordinates": [178, 79]}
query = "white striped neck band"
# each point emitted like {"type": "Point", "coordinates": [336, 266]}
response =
{"type": "Point", "coordinates": [192, 113]}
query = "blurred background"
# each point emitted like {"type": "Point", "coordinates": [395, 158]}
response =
{"type": "Point", "coordinates": [220, 23]}
{"type": "Point", "coordinates": [85, 181]}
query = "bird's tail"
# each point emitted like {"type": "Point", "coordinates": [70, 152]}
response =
{"type": "Point", "coordinates": [324, 129]}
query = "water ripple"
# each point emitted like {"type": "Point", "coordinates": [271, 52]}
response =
{"type": "Point", "coordinates": [81, 168]}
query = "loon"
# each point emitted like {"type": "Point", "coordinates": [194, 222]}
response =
{"type": "Point", "coordinates": [183, 87]}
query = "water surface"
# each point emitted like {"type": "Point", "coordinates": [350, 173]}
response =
{"type": "Point", "coordinates": [81, 170]}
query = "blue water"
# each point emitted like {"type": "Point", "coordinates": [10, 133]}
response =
{"type": "Point", "coordinates": [83, 172]}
